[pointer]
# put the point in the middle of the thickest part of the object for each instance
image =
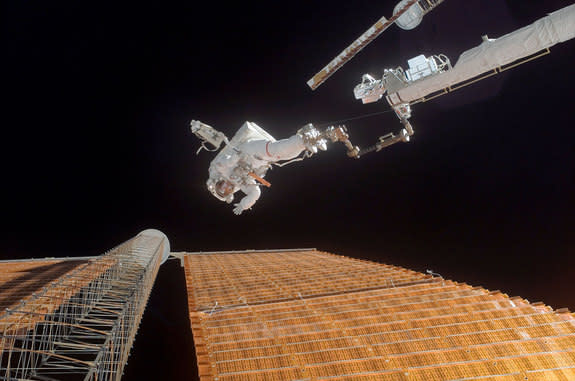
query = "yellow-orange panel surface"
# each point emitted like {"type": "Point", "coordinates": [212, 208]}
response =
{"type": "Point", "coordinates": [20, 279]}
{"type": "Point", "coordinates": [294, 315]}
{"type": "Point", "coordinates": [37, 285]}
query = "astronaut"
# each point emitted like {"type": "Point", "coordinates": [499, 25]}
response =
{"type": "Point", "coordinates": [242, 164]}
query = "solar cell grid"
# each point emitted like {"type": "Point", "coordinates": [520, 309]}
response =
{"type": "Point", "coordinates": [20, 279]}
{"type": "Point", "coordinates": [293, 275]}
{"type": "Point", "coordinates": [312, 316]}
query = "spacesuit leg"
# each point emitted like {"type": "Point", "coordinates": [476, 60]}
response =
{"type": "Point", "coordinates": [284, 149]}
{"type": "Point", "coordinates": [252, 192]}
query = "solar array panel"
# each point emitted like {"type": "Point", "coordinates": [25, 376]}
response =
{"type": "Point", "coordinates": [311, 315]}
{"type": "Point", "coordinates": [21, 279]}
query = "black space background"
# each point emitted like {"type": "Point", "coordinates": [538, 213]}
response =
{"type": "Point", "coordinates": [96, 145]}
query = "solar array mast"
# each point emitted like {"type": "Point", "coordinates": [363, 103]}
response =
{"type": "Point", "coordinates": [80, 325]}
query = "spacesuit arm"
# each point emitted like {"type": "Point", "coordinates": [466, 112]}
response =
{"type": "Point", "coordinates": [253, 193]}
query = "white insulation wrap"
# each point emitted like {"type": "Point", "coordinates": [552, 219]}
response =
{"type": "Point", "coordinates": [158, 235]}
{"type": "Point", "coordinates": [557, 27]}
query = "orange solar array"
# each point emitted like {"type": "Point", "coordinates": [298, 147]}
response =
{"type": "Point", "coordinates": [19, 279]}
{"type": "Point", "coordinates": [310, 315]}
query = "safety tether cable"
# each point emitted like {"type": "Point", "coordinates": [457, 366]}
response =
{"type": "Point", "coordinates": [363, 116]}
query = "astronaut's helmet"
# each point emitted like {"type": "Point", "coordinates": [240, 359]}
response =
{"type": "Point", "coordinates": [221, 188]}
{"type": "Point", "coordinates": [224, 188]}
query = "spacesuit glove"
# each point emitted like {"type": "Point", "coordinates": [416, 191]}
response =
{"type": "Point", "coordinates": [238, 209]}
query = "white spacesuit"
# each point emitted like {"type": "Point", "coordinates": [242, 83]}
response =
{"type": "Point", "coordinates": [244, 161]}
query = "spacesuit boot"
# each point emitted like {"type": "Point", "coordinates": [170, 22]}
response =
{"type": "Point", "coordinates": [312, 138]}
